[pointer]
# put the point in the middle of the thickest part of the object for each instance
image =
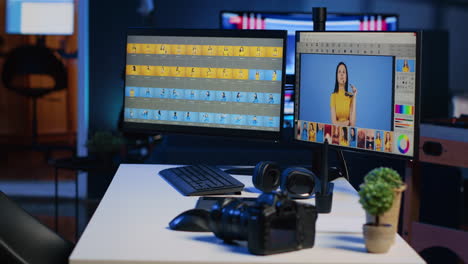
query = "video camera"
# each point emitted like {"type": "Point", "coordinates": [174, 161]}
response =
{"type": "Point", "coordinates": [271, 224]}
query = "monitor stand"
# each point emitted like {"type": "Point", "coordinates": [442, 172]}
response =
{"type": "Point", "coordinates": [324, 196]}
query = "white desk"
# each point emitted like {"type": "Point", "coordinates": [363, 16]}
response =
{"type": "Point", "coordinates": [130, 225]}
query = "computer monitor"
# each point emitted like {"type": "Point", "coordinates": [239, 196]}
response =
{"type": "Point", "coordinates": [40, 17]}
{"type": "Point", "coordinates": [209, 82]}
{"type": "Point", "coordinates": [359, 91]}
{"type": "Point", "coordinates": [297, 21]}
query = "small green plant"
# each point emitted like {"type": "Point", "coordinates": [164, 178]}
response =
{"type": "Point", "coordinates": [376, 197]}
{"type": "Point", "coordinates": [387, 175]}
{"type": "Point", "coordinates": [104, 141]}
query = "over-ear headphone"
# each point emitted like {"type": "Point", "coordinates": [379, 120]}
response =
{"type": "Point", "coordinates": [296, 182]}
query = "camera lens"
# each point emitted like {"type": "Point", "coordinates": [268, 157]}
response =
{"type": "Point", "coordinates": [229, 220]}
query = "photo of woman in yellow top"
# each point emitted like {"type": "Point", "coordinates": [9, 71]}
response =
{"type": "Point", "coordinates": [312, 131]}
{"type": "Point", "coordinates": [378, 141]}
{"type": "Point", "coordinates": [388, 142]}
{"type": "Point", "coordinates": [406, 67]}
{"type": "Point", "coordinates": [343, 103]}
{"type": "Point", "coordinates": [344, 136]}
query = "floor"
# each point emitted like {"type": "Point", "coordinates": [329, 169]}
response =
{"type": "Point", "coordinates": [27, 178]}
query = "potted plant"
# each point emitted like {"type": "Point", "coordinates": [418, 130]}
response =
{"type": "Point", "coordinates": [392, 178]}
{"type": "Point", "coordinates": [103, 145]}
{"type": "Point", "coordinates": [376, 197]}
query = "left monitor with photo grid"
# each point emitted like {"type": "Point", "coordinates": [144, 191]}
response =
{"type": "Point", "coordinates": [209, 82]}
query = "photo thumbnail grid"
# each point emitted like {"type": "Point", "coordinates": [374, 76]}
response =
{"type": "Point", "coordinates": [204, 81]}
{"type": "Point", "coordinates": [204, 95]}
{"type": "Point", "coordinates": [205, 50]}
{"type": "Point", "coordinates": [202, 117]}
{"type": "Point", "coordinates": [346, 136]}
{"type": "Point", "coordinates": [205, 72]}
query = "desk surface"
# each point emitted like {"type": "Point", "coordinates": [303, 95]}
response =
{"type": "Point", "coordinates": [130, 225]}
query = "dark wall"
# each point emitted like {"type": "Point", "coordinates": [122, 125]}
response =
{"type": "Point", "coordinates": [108, 22]}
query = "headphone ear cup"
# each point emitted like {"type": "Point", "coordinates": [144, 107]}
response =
{"type": "Point", "coordinates": [298, 182]}
{"type": "Point", "coordinates": [266, 176]}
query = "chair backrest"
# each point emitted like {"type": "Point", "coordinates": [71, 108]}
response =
{"type": "Point", "coordinates": [23, 239]}
{"type": "Point", "coordinates": [40, 60]}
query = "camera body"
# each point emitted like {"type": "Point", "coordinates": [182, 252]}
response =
{"type": "Point", "coordinates": [274, 224]}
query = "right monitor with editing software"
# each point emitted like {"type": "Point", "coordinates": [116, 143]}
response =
{"type": "Point", "coordinates": [358, 90]}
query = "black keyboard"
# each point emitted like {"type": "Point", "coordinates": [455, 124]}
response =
{"type": "Point", "coordinates": [201, 180]}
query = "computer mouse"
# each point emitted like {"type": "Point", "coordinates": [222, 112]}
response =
{"type": "Point", "coordinates": [195, 220]}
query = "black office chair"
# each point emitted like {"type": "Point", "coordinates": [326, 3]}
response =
{"type": "Point", "coordinates": [33, 59]}
{"type": "Point", "coordinates": [25, 240]}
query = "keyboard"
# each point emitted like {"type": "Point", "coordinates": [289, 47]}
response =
{"type": "Point", "coordinates": [198, 180]}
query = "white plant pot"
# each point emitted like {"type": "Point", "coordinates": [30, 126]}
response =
{"type": "Point", "coordinates": [379, 238]}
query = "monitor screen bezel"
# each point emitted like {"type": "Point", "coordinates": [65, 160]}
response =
{"type": "Point", "coordinates": [131, 127]}
{"type": "Point", "coordinates": [416, 135]}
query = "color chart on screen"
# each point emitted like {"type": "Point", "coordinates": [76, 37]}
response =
{"type": "Point", "coordinates": [214, 82]}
